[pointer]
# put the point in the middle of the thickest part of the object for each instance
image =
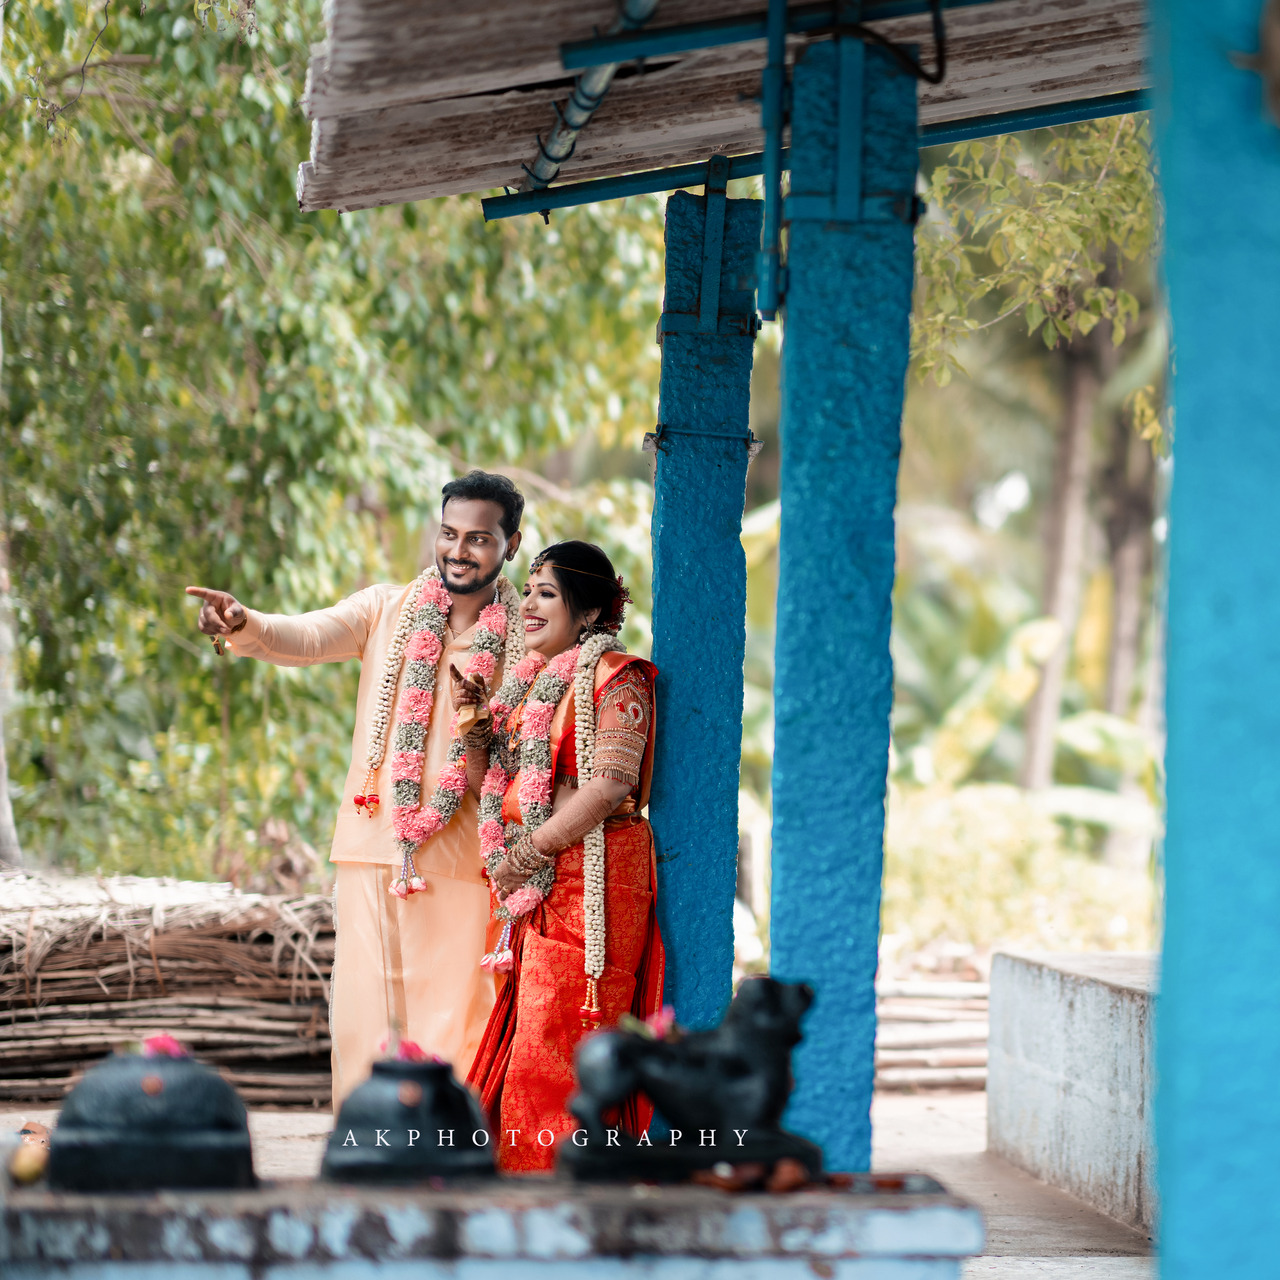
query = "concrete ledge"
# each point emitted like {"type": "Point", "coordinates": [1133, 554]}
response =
{"type": "Point", "coordinates": [1070, 1076]}
{"type": "Point", "coordinates": [531, 1229]}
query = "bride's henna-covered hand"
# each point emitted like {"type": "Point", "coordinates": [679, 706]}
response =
{"type": "Point", "coordinates": [467, 691]}
{"type": "Point", "coordinates": [507, 880]}
{"type": "Point", "coordinates": [588, 808]}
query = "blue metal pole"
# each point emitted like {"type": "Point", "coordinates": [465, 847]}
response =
{"type": "Point", "coordinates": [773, 88]}
{"type": "Point", "coordinates": [1218, 1016]}
{"type": "Point", "coordinates": [847, 312]}
{"type": "Point", "coordinates": [700, 586]}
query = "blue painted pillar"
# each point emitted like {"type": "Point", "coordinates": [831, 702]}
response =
{"type": "Point", "coordinates": [700, 587]}
{"type": "Point", "coordinates": [848, 306]}
{"type": "Point", "coordinates": [1218, 1028]}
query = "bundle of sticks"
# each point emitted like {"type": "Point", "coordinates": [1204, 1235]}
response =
{"type": "Point", "coordinates": [89, 966]}
{"type": "Point", "coordinates": [931, 1035]}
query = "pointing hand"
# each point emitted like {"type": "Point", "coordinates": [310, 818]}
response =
{"type": "Point", "coordinates": [221, 614]}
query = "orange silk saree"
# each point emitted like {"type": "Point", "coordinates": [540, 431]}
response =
{"type": "Point", "coordinates": [524, 1067]}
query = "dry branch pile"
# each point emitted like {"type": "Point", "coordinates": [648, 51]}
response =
{"type": "Point", "coordinates": [931, 1035]}
{"type": "Point", "coordinates": [89, 965]}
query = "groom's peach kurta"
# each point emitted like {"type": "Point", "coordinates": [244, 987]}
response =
{"type": "Point", "coordinates": [415, 961]}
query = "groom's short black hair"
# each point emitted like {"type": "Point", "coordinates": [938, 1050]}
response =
{"type": "Point", "coordinates": [483, 486]}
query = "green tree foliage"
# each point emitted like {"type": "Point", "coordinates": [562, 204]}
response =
{"type": "Point", "coordinates": [201, 384]}
{"type": "Point", "coordinates": [1034, 225]}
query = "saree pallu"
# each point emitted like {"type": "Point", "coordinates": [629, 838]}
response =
{"type": "Point", "coordinates": [524, 1067]}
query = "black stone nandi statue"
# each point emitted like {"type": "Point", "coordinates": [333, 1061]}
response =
{"type": "Point", "coordinates": [722, 1092]}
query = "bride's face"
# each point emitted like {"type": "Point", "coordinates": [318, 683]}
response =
{"type": "Point", "coordinates": [549, 627]}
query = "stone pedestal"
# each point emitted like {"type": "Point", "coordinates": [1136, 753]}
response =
{"type": "Point", "coordinates": [1069, 1076]}
{"type": "Point", "coordinates": [887, 1228]}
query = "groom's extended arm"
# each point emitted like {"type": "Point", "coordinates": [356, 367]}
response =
{"type": "Point", "coordinates": [324, 635]}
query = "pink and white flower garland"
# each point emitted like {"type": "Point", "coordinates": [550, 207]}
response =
{"type": "Point", "coordinates": [417, 645]}
{"type": "Point", "coordinates": [545, 686]}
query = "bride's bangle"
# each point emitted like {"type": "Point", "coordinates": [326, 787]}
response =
{"type": "Point", "coordinates": [524, 859]}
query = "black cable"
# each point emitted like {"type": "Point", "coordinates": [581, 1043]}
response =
{"type": "Point", "coordinates": [898, 53]}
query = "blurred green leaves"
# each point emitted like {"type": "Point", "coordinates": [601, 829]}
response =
{"type": "Point", "coordinates": [201, 384]}
{"type": "Point", "coordinates": [1029, 224]}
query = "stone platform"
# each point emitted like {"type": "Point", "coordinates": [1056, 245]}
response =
{"type": "Point", "coordinates": [886, 1228]}
{"type": "Point", "coordinates": [1070, 1076]}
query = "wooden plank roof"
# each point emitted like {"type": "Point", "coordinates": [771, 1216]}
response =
{"type": "Point", "coordinates": [416, 98]}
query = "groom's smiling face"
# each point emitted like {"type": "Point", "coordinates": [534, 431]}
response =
{"type": "Point", "coordinates": [471, 546]}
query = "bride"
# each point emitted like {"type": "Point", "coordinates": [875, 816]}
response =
{"type": "Point", "coordinates": [561, 758]}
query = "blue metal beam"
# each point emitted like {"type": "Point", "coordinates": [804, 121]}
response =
{"type": "Point", "coordinates": [1112, 104]}
{"type": "Point", "coordinates": [630, 184]}
{"type": "Point", "coordinates": [773, 118]}
{"type": "Point", "coordinates": [665, 41]}
{"type": "Point", "coordinates": [653, 181]}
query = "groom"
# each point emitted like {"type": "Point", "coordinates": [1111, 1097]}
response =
{"type": "Point", "coordinates": [410, 962]}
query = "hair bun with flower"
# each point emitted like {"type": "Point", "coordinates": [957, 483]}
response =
{"type": "Point", "coordinates": [612, 620]}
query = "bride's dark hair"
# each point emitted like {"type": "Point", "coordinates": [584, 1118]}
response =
{"type": "Point", "coordinates": [587, 581]}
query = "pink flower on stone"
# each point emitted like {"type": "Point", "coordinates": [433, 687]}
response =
{"type": "Point", "coordinates": [537, 718]}
{"type": "Point", "coordinates": [662, 1022]}
{"type": "Point", "coordinates": [163, 1046]}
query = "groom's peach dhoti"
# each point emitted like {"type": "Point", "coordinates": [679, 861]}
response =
{"type": "Point", "coordinates": [414, 962]}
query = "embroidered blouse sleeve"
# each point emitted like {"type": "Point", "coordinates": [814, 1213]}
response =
{"type": "Point", "coordinates": [622, 727]}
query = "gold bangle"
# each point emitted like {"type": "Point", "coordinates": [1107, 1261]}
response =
{"type": "Point", "coordinates": [524, 859]}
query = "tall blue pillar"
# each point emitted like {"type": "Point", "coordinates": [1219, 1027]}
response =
{"type": "Point", "coordinates": [700, 585]}
{"type": "Point", "coordinates": [848, 305]}
{"type": "Point", "coordinates": [1218, 1028]}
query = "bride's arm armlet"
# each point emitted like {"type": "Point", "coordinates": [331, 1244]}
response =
{"type": "Point", "coordinates": [622, 733]}
{"type": "Point", "coordinates": [622, 728]}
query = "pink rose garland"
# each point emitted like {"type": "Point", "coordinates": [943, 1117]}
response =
{"type": "Point", "coordinates": [413, 821]}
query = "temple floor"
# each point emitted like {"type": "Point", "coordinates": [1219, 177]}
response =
{"type": "Point", "coordinates": [1034, 1231]}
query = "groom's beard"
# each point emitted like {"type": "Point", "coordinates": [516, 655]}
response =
{"type": "Point", "coordinates": [472, 585]}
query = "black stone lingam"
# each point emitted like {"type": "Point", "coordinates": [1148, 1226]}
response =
{"type": "Point", "coordinates": [148, 1123]}
{"type": "Point", "coordinates": [722, 1092]}
{"type": "Point", "coordinates": [410, 1121]}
